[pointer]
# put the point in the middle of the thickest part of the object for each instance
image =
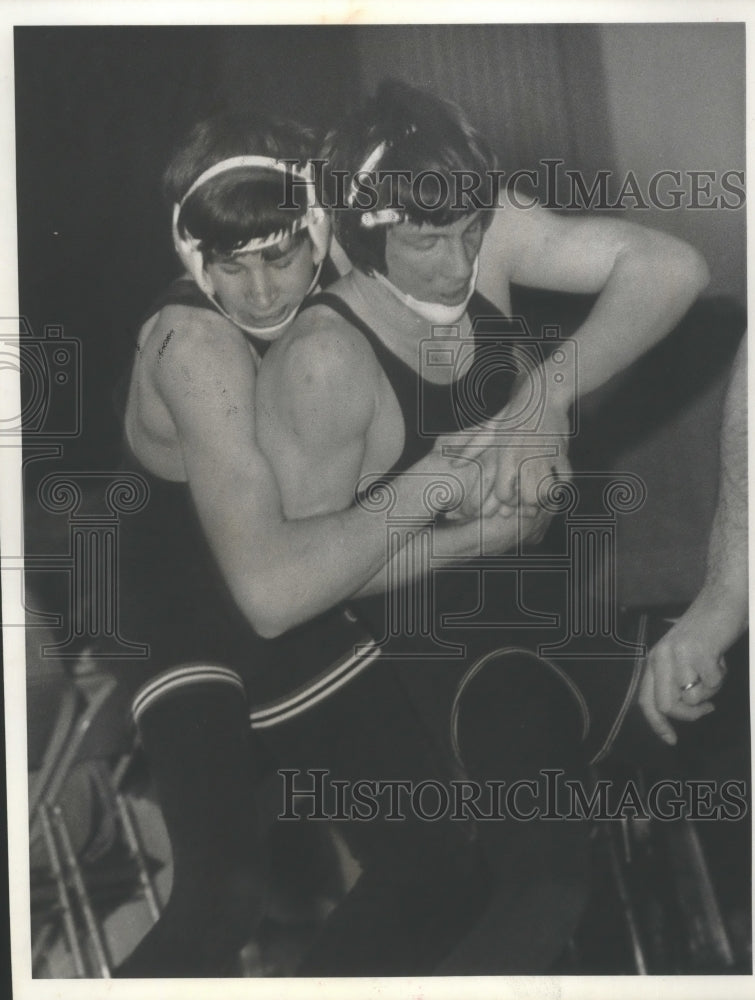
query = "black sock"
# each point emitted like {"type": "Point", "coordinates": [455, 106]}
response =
{"type": "Point", "coordinates": [195, 738]}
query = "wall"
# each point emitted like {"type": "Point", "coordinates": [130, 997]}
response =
{"type": "Point", "coordinates": [676, 100]}
{"type": "Point", "coordinates": [534, 91]}
{"type": "Point", "coordinates": [675, 95]}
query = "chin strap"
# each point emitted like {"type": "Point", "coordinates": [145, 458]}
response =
{"type": "Point", "coordinates": [270, 332]}
{"type": "Point", "coordinates": [433, 312]}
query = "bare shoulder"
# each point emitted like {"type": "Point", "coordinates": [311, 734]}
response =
{"type": "Point", "coordinates": [199, 340]}
{"type": "Point", "coordinates": [323, 348]}
{"type": "Point", "coordinates": [323, 378]}
{"type": "Point", "coordinates": [202, 370]}
{"type": "Point", "coordinates": [513, 226]}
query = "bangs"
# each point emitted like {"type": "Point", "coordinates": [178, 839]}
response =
{"type": "Point", "coordinates": [231, 209]}
{"type": "Point", "coordinates": [434, 172]}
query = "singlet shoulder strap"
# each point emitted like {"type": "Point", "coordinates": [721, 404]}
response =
{"type": "Point", "coordinates": [478, 305]}
{"type": "Point", "coordinates": [338, 306]}
{"type": "Point", "coordinates": [329, 274]}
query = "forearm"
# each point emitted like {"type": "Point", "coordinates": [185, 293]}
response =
{"type": "Point", "coordinates": [408, 561]}
{"type": "Point", "coordinates": [304, 567]}
{"type": "Point", "coordinates": [294, 569]}
{"type": "Point", "coordinates": [725, 585]}
{"type": "Point", "coordinates": [725, 589]}
{"type": "Point", "coordinates": [691, 652]}
{"type": "Point", "coordinates": [652, 283]}
{"type": "Point", "coordinates": [450, 543]}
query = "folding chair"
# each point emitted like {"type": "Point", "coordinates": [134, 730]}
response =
{"type": "Point", "coordinates": [79, 875]}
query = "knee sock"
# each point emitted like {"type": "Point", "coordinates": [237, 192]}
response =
{"type": "Point", "coordinates": [194, 728]}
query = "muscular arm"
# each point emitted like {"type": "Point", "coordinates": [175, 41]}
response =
{"type": "Point", "coordinates": [725, 585]}
{"type": "Point", "coordinates": [693, 648]}
{"type": "Point", "coordinates": [476, 537]}
{"type": "Point", "coordinates": [280, 571]}
{"type": "Point", "coordinates": [645, 280]}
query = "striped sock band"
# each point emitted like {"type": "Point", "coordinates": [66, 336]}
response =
{"type": "Point", "coordinates": [170, 681]}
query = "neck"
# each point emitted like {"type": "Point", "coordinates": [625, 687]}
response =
{"type": "Point", "coordinates": [395, 314]}
{"type": "Point", "coordinates": [402, 331]}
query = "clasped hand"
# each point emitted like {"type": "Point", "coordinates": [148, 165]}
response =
{"type": "Point", "coordinates": [508, 474]}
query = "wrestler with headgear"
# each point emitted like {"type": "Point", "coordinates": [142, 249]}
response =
{"type": "Point", "coordinates": [499, 713]}
{"type": "Point", "coordinates": [215, 574]}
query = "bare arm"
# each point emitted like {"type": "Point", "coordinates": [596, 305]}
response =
{"type": "Point", "coordinates": [281, 572]}
{"type": "Point", "coordinates": [693, 648]}
{"type": "Point", "coordinates": [646, 281]}
{"type": "Point", "coordinates": [477, 537]}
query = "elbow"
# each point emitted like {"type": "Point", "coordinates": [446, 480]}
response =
{"type": "Point", "coordinates": [697, 270]}
{"type": "Point", "coordinates": [269, 627]}
{"type": "Point", "coordinates": [687, 270]}
{"type": "Point", "coordinates": [270, 622]}
{"type": "Point", "coordinates": [269, 614]}
{"type": "Point", "coordinates": [668, 263]}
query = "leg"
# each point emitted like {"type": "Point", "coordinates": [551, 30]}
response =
{"type": "Point", "coordinates": [194, 728]}
{"type": "Point", "coordinates": [422, 884]}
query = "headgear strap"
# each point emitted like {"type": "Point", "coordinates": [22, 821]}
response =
{"type": "Point", "coordinates": [384, 216]}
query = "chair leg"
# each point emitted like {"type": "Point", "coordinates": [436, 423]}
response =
{"type": "Point", "coordinates": [69, 923]}
{"type": "Point", "coordinates": [91, 922]}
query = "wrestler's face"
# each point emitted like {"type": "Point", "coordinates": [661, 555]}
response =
{"type": "Point", "coordinates": [434, 263]}
{"type": "Point", "coordinates": [261, 289]}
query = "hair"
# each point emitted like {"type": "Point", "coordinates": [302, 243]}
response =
{"type": "Point", "coordinates": [235, 207]}
{"type": "Point", "coordinates": [422, 133]}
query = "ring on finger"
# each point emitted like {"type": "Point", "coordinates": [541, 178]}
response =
{"type": "Point", "coordinates": [691, 684]}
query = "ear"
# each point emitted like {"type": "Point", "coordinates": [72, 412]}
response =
{"type": "Point", "coordinates": [191, 256]}
{"type": "Point", "coordinates": [318, 224]}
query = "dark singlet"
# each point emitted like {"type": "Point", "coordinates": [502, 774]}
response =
{"type": "Point", "coordinates": [430, 409]}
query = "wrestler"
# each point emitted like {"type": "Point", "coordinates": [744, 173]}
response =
{"type": "Point", "coordinates": [216, 566]}
{"type": "Point", "coordinates": [415, 269]}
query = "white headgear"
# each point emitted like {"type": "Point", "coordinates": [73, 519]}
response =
{"type": "Point", "coordinates": [314, 219]}
{"type": "Point", "coordinates": [433, 312]}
